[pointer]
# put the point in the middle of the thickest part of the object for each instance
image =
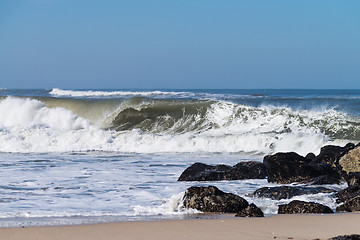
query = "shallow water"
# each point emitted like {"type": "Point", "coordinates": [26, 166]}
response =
{"type": "Point", "coordinates": [71, 188]}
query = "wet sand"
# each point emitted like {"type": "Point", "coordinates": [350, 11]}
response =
{"type": "Point", "coordinates": [276, 227]}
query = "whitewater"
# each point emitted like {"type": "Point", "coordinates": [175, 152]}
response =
{"type": "Point", "coordinates": [86, 156]}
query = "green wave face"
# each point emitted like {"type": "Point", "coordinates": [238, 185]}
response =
{"type": "Point", "coordinates": [159, 116]}
{"type": "Point", "coordinates": [165, 125]}
{"type": "Point", "coordinates": [183, 116]}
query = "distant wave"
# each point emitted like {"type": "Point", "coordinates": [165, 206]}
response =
{"type": "Point", "coordinates": [153, 94]}
{"type": "Point", "coordinates": [91, 93]}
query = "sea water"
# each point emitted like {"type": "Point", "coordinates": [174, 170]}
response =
{"type": "Point", "coordinates": [90, 156]}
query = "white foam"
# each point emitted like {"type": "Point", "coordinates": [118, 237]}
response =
{"type": "Point", "coordinates": [172, 206]}
{"type": "Point", "coordinates": [27, 125]}
{"type": "Point", "coordinates": [30, 113]}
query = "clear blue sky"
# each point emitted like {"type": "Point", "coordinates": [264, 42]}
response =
{"type": "Point", "coordinates": [179, 44]}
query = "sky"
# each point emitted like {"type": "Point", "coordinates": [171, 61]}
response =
{"type": "Point", "coordinates": [172, 44]}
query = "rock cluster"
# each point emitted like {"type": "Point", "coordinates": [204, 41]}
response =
{"type": "Point", "coordinates": [290, 167]}
{"type": "Point", "coordinates": [332, 165]}
{"type": "Point", "coordinates": [350, 197]}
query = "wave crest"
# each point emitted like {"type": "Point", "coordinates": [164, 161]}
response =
{"type": "Point", "coordinates": [153, 125]}
{"type": "Point", "coordinates": [230, 118]}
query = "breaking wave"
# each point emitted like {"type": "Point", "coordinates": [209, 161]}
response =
{"type": "Point", "coordinates": [144, 125]}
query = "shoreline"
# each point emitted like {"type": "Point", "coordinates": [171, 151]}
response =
{"type": "Point", "coordinates": [24, 222]}
{"type": "Point", "coordinates": [296, 226]}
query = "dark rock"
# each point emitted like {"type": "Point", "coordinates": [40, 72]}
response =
{"type": "Point", "coordinates": [286, 192]}
{"type": "Point", "coordinates": [211, 199]}
{"type": "Point", "coordinates": [203, 172]}
{"type": "Point", "coordinates": [324, 169]}
{"type": "Point", "coordinates": [346, 237]}
{"type": "Point", "coordinates": [251, 211]}
{"type": "Point", "coordinates": [353, 179]}
{"type": "Point", "coordinates": [352, 205]}
{"type": "Point", "coordinates": [242, 170]}
{"type": "Point", "coordinates": [330, 154]}
{"type": "Point", "coordinates": [296, 206]}
{"type": "Point", "coordinates": [311, 156]}
{"type": "Point", "coordinates": [321, 180]}
{"type": "Point", "coordinates": [347, 194]}
{"type": "Point", "coordinates": [291, 167]}
{"type": "Point", "coordinates": [250, 170]}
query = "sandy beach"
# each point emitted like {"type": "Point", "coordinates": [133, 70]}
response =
{"type": "Point", "coordinates": [276, 227]}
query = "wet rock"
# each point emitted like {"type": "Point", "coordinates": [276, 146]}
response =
{"type": "Point", "coordinates": [330, 154]}
{"type": "Point", "coordinates": [211, 199]}
{"type": "Point", "coordinates": [353, 179]}
{"type": "Point", "coordinates": [286, 192]}
{"type": "Point", "coordinates": [321, 180]}
{"type": "Point", "coordinates": [296, 206]}
{"type": "Point", "coordinates": [350, 197]}
{"type": "Point", "coordinates": [311, 156]}
{"type": "Point", "coordinates": [324, 169]}
{"type": "Point", "coordinates": [350, 162]}
{"type": "Point", "coordinates": [333, 155]}
{"type": "Point", "coordinates": [346, 237]}
{"type": "Point", "coordinates": [251, 170]}
{"type": "Point", "coordinates": [290, 167]}
{"type": "Point", "coordinates": [347, 194]}
{"type": "Point", "coordinates": [352, 205]}
{"type": "Point", "coordinates": [203, 172]}
{"type": "Point", "coordinates": [242, 170]}
{"type": "Point", "coordinates": [251, 211]}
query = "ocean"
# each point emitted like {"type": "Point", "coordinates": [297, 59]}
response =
{"type": "Point", "coordinates": [92, 156]}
